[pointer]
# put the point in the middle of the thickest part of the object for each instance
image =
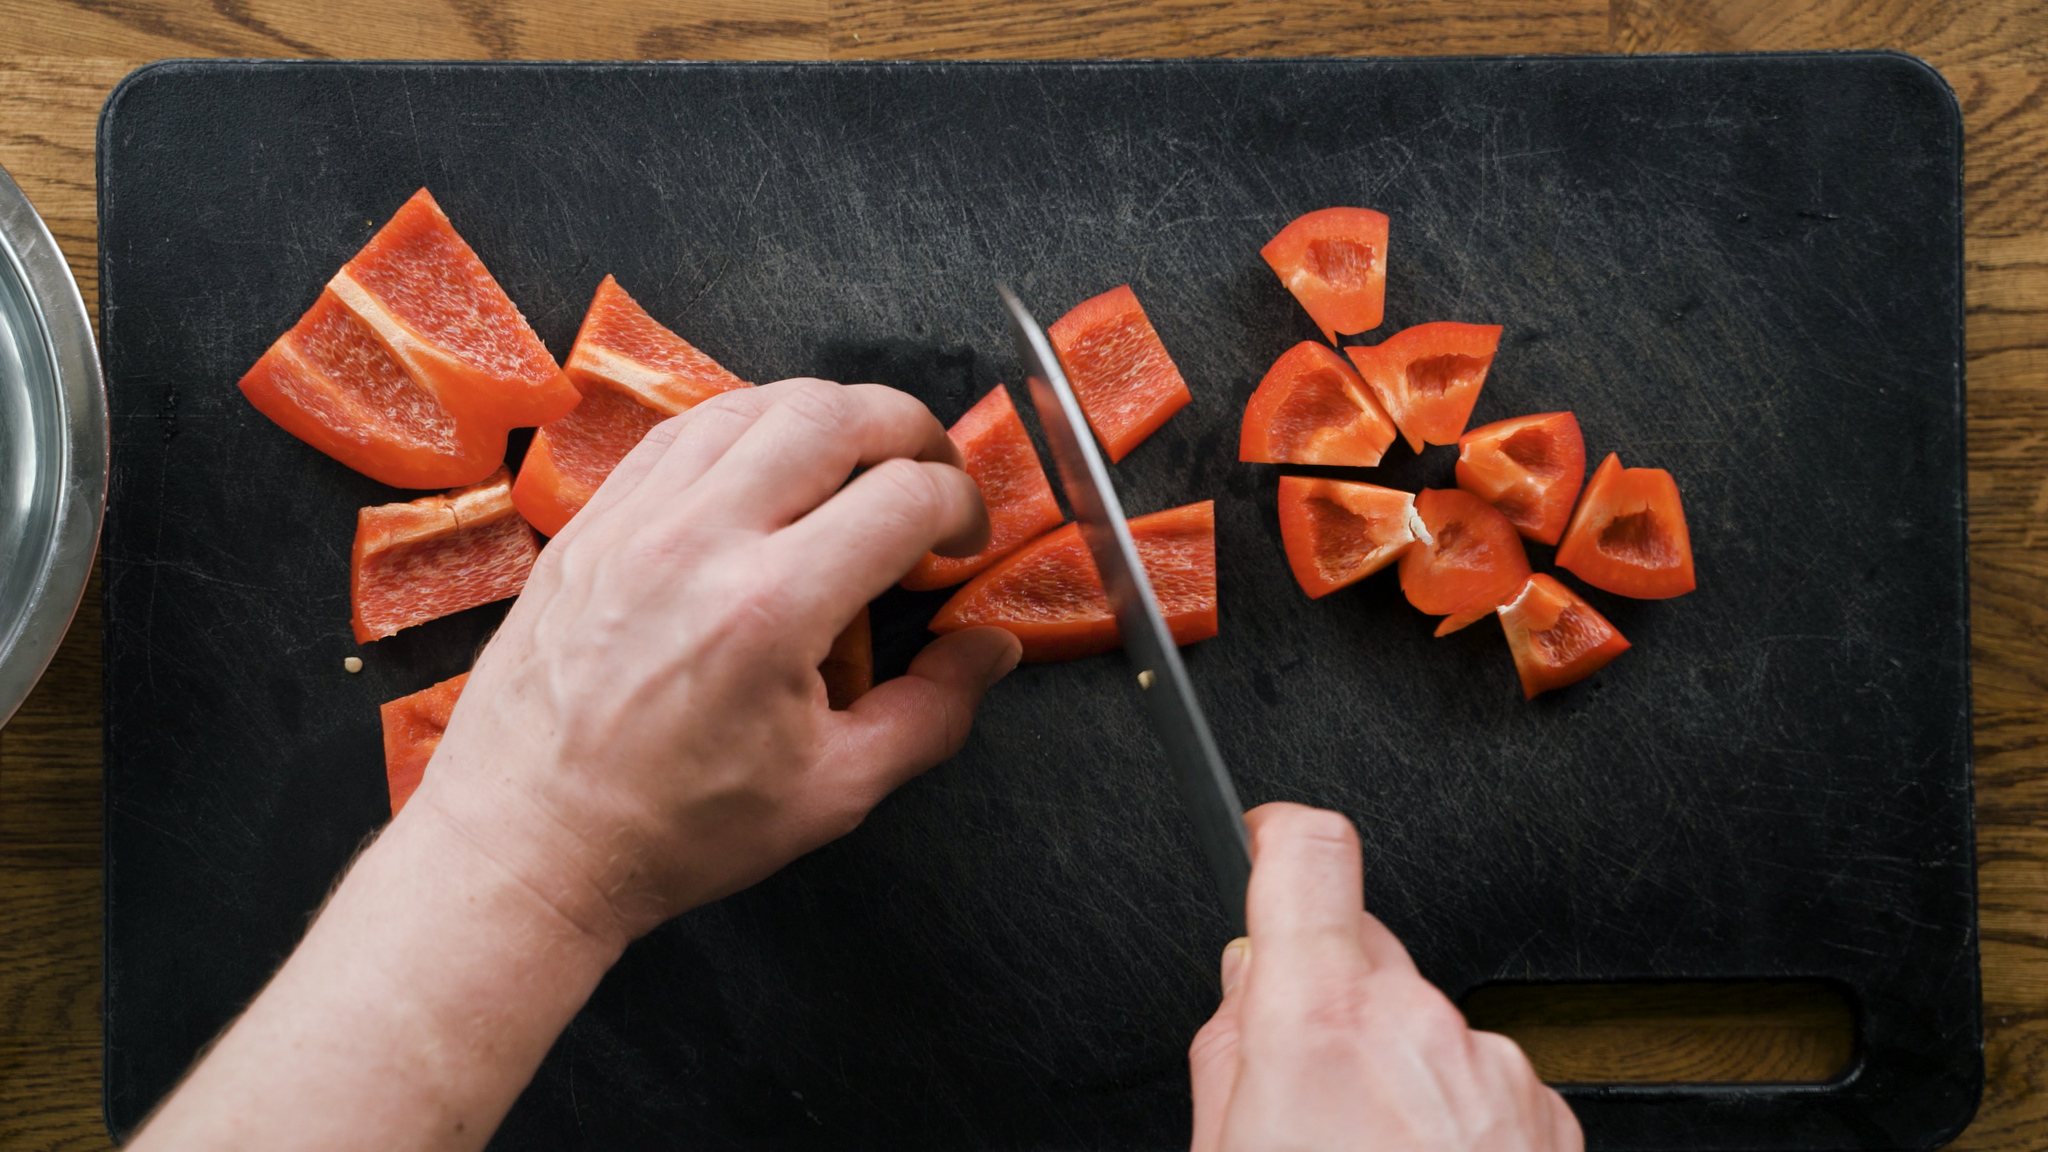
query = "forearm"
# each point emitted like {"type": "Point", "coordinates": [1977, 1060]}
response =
{"type": "Point", "coordinates": [416, 1009]}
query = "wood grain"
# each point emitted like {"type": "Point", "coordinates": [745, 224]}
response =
{"type": "Point", "coordinates": [58, 58]}
{"type": "Point", "coordinates": [1796, 1032]}
{"type": "Point", "coordinates": [1038, 29]}
{"type": "Point", "coordinates": [420, 29]}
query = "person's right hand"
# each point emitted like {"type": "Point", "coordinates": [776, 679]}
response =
{"type": "Point", "coordinates": [1328, 1038]}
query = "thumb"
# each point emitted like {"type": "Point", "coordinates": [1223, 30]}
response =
{"type": "Point", "coordinates": [906, 725]}
{"type": "Point", "coordinates": [1212, 1058]}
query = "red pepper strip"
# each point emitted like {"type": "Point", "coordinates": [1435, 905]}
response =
{"type": "Point", "coordinates": [412, 730]}
{"type": "Point", "coordinates": [1335, 263]}
{"type": "Point", "coordinates": [633, 374]}
{"type": "Point", "coordinates": [1338, 532]}
{"type": "Point", "coordinates": [1557, 638]}
{"type": "Point", "coordinates": [413, 363]}
{"type": "Point", "coordinates": [1125, 381]}
{"type": "Point", "coordinates": [1429, 377]}
{"type": "Point", "coordinates": [1629, 535]}
{"type": "Point", "coordinates": [1472, 565]}
{"type": "Point", "coordinates": [1313, 409]}
{"type": "Point", "coordinates": [416, 562]}
{"type": "Point", "coordinates": [1048, 595]}
{"type": "Point", "coordinates": [849, 669]}
{"type": "Point", "coordinates": [1529, 468]}
{"type": "Point", "coordinates": [1003, 463]}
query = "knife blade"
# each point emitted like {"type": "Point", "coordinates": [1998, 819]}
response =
{"type": "Point", "coordinates": [1206, 791]}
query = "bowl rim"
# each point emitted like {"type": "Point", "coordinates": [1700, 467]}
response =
{"type": "Point", "coordinates": [30, 253]}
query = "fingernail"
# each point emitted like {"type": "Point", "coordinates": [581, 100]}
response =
{"type": "Point", "coordinates": [1234, 956]}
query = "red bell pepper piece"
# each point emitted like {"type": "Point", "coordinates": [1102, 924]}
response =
{"type": "Point", "coordinates": [1629, 535]}
{"type": "Point", "coordinates": [413, 363]}
{"type": "Point", "coordinates": [1338, 532]}
{"type": "Point", "coordinates": [1004, 464]}
{"type": "Point", "coordinates": [1048, 594]}
{"type": "Point", "coordinates": [569, 458]}
{"type": "Point", "coordinates": [849, 668]}
{"type": "Point", "coordinates": [419, 561]}
{"type": "Point", "coordinates": [1313, 409]}
{"type": "Point", "coordinates": [1529, 467]}
{"type": "Point", "coordinates": [413, 726]}
{"type": "Point", "coordinates": [633, 373]}
{"type": "Point", "coordinates": [1335, 263]}
{"type": "Point", "coordinates": [1473, 563]}
{"type": "Point", "coordinates": [1557, 638]}
{"type": "Point", "coordinates": [1125, 381]}
{"type": "Point", "coordinates": [1429, 377]}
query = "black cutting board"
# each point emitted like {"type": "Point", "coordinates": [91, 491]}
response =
{"type": "Point", "coordinates": [1745, 270]}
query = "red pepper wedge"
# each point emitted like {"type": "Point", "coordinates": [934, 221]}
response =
{"type": "Point", "coordinates": [413, 364]}
{"type": "Point", "coordinates": [1557, 637]}
{"type": "Point", "coordinates": [1338, 532]}
{"type": "Point", "coordinates": [1334, 261]}
{"type": "Point", "coordinates": [413, 726]}
{"type": "Point", "coordinates": [1629, 535]}
{"type": "Point", "coordinates": [1048, 595]}
{"type": "Point", "coordinates": [633, 373]}
{"type": "Point", "coordinates": [1473, 563]}
{"type": "Point", "coordinates": [419, 561]}
{"type": "Point", "coordinates": [1003, 463]}
{"type": "Point", "coordinates": [1311, 408]}
{"type": "Point", "coordinates": [849, 668]}
{"type": "Point", "coordinates": [1529, 467]}
{"type": "Point", "coordinates": [1429, 377]}
{"type": "Point", "coordinates": [1125, 381]}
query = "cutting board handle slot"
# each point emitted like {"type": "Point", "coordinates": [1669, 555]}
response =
{"type": "Point", "coordinates": [1675, 1032]}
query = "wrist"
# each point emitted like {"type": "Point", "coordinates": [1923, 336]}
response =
{"type": "Point", "coordinates": [420, 1002]}
{"type": "Point", "coordinates": [536, 870]}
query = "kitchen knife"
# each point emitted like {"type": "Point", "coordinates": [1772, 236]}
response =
{"type": "Point", "coordinates": [1205, 788]}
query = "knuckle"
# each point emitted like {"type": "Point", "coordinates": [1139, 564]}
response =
{"type": "Point", "coordinates": [741, 403]}
{"type": "Point", "coordinates": [1322, 826]}
{"type": "Point", "coordinates": [665, 433]}
{"type": "Point", "coordinates": [767, 602]}
{"type": "Point", "coordinates": [1211, 1040]}
{"type": "Point", "coordinates": [1338, 1015]}
{"type": "Point", "coordinates": [1504, 1054]}
{"type": "Point", "coordinates": [819, 402]}
{"type": "Point", "coordinates": [842, 819]}
{"type": "Point", "coordinates": [918, 489]}
{"type": "Point", "coordinates": [1435, 1015]}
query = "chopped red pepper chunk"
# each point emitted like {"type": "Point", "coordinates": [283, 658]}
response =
{"type": "Point", "coordinates": [849, 668]}
{"type": "Point", "coordinates": [1529, 467]}
{"type": "Point", "coordinates": [633, 373]}
{"type": "Point", "coordinates": [1429, 377]}
{"type": "Point", "coordinates": [1048, 595]}
{"type": "Point", "coordinates": [1629, 535]}
{"type": "Point", "coordinates": [1334, 261]}
{"type": "Point", "coordinates": [1003, 463]}
{"type": "Point", "coordinates": [1338, 532]}
{"type": "Point", "coordinates": [1472, 564]}
{"type": "Point", "coordinates": [413, 364]}
{"type": "Point", "coordinates": [413, 726]}
{"type": "Point", "coordinates": [1311, 408]}
{"type": "Point", "coordinates": [419, 561]}
{"type": "Point", "coordinates": [1557, 637]}
{"type": "Point", "coordinates": [1125, 381]}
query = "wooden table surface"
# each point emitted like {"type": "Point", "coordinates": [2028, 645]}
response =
{"type": "Point", "coordinates": [59, 58]}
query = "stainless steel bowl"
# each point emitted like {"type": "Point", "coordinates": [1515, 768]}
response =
{"type": "Point", "coordinates": [53, 447]}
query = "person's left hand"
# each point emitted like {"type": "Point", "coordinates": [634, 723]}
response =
{"type": "Point", "coordinates": [648, 731]}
